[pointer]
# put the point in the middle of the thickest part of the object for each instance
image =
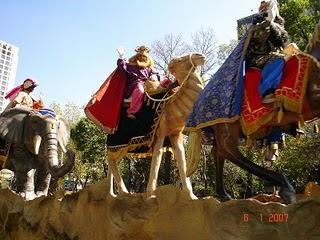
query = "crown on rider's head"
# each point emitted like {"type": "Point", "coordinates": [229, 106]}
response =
{"type": "Point", "coordinates": [142, 49]}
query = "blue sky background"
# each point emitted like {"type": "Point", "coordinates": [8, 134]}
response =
{"type": "Point", "coordinates": [69, 46]}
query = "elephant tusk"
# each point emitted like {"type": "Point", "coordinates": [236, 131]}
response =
{"type": "Point", "coordinates": [63, 148]}
{"type": "Point", "coordinates": [36, 143]}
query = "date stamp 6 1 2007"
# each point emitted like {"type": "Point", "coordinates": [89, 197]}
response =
{"type": "Point", "coordinates": [271, 217]}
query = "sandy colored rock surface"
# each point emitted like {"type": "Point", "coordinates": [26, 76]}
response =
{"type": "Point", "coordinates": [92, 215]}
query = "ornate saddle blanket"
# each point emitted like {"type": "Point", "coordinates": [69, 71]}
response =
{"type": "Point", "coordinates": [135, 136]}
{"type": "Point", "coordinates": [289, 94]}
{"type": "Point", "coordinates": [47, 112]}
{"type": "Point", "coordinates": [220, 100]}
{"type": "Point", "coordinates": [229, 97]}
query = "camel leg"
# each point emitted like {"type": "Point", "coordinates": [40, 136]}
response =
{"type": "Point", "coordinates": [110, 183]}
{"type": "Point", "coordinates": [155, 165]}
{"type": "Point", "coordinates": [227, 137]}
{"type": "Point", "coordinates": [112, 164]}
{"type": "Point", "coordinates": [219, 164]}
{"type": "Point", "coordinates": [179, 153]}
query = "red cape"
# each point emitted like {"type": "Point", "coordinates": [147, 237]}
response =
{"type": "Point", "coordinates": [105, 105]}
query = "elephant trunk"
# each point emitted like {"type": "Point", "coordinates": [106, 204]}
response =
{"type": "Point", "coordinates": [52, 154]}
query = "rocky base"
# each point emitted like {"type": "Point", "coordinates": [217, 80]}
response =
{"type": "Point", "coordinates": [91, 214]}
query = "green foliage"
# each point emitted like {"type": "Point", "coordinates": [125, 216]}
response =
{"type": "Point", "coordinates": [300, 162]}
{"type": "Point", "coordinates": [300, 17]}
{"type": "Point", "coordinates": [225, 50]}
{"type": "Point", "coordinates": [135, 173]}
{"type": "Point", "coordinates": [70, 111]}
{"type": "Point", "coordinates": [238, 183]}
{"type": "Point", "coordinates": [89, 142]}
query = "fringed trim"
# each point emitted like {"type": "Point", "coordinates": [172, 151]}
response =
{"type": "Point", "coordinates": [139, 155]}
{"type": "Point", "coordinates": [132, 145]}
{"type": "Point", "coordinates": [292, 99]}
{"type": "Point", "coordinates": [211, 123]}
{"type": "Point", "coordinates": [193, 152]}
{"type": "Point", "coordinates": [97, 122]}
{"type": "Point", "coordinates": [154, 127]}
{"type": "Point", "coordinates": [143, 140]}
{"type": "Point", "coordinates": [250, 128]}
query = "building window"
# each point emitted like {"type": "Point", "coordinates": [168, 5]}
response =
{"type": "Point", "coordinates": [9, 53]}
{"type": "Point", "coordinates": [4, 78]}
{"type": "Point", "coordinates": [1, 61]}
{"type": "Point", "coordinates": [3, 56]}
{"type": "Point", "coordinates": [8, 58]}
{"type": "Point", "coordinates": [1, 66]}
{"type": "Point", "coordinates": [6, 68]}
{"type": "Point", "coordinates": [7, 63]}
{"type": "Point", "coordinates": [3, 51]}
{"type": "Point", "coordinates": [5, 73]}
{"type": "Point", "coordinates": [3, 88]}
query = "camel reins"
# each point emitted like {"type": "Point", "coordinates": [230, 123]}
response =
{"type": "Point", "coordinates": [183, 82]}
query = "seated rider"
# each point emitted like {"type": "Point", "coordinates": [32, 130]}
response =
{"type": "Point", "coordinates": [21, 96]}
{"type": "Point", "coordinates": [268, 40]}
{"type": "Point", "coordinates": [138, 69]}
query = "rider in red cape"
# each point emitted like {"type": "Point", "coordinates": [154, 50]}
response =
{"type": "Point", "coordinates": [127, 81]}
{"type": "Point", "coordinates": [105, 105]}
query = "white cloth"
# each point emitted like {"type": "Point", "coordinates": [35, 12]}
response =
{"type": "Point", "coordinates": [272, 11]}
{"type": "Point", "coordinates": [23, 99]}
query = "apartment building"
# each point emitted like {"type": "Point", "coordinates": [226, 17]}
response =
{"type": "Point", "coordinates": [8, 68]}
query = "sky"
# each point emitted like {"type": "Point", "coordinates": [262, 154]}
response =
{"type": "Point", "coordinates": [69, 46]}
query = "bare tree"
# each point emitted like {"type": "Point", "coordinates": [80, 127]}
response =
{"type": "Point", "coordinates": [204, 41]}
{"type": "Point", "coordinates": [164, 50]}
{"type": "Point", "coordinates": [225, 50]}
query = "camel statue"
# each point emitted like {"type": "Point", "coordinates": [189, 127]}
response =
{"type": "Point", "coordinates": [171, 124]}
{"type": "Point", "coordinates": [226, 135]}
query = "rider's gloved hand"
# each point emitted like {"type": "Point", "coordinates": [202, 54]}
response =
{"type": "Point", "coordinates": [121, 52]}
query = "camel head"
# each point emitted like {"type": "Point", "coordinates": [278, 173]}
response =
{"type": "Point", "coordinates": [313, 47]}
{"type": "Point", "coordinates": [181, 66]}
{"type": "Point", "coordinates": [313, 90]}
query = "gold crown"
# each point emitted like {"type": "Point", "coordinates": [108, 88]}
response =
{"type": "Point", "coordinates": [142, 49]}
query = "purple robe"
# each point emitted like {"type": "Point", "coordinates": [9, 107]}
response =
{"type": "Point", "coordinates": [134, 75]}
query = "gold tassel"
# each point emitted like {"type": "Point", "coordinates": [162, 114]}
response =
{"type": "Point", "coordinates": [301, 121]}
{"type": "Point", "coordinates": [280, 114]}
{"type": "Point", "coordinates": [193, 152]}
{"type": "Point", "coordinates": [249, 142]}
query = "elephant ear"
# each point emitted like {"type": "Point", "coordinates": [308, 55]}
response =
{"type": "Point", "coordinates": [63, 132]}
{"type": "Point", "coordinates": [12, 124]}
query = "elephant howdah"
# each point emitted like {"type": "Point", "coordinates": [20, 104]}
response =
{"type": "Point", "coordinates": [33, 156]}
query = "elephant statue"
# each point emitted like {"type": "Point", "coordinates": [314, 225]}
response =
{"type": "Point", "coordinates": [33, 155]}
